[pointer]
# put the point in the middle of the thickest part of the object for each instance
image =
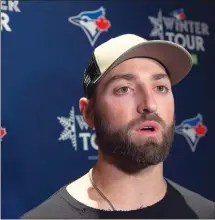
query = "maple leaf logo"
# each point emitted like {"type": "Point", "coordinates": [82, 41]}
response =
{"type": "Point", "coordinates": [102, 23]}
{"type": "Point", "coordinates": [200, 129]}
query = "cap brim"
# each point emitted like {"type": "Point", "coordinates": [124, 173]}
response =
{"type": "Point", "coordinates": [176, 59]}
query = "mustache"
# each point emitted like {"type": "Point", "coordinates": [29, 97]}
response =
{"type": "Point", "coordinates": [146, 117]}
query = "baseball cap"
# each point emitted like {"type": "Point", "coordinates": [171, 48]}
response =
{"type": "Point", "coordinates": [176, 60]}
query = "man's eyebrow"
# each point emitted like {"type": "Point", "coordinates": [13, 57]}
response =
{"type": "Point", "coordinates": [126, 76]}
{"type": "Point", "coordinates": [132, 77]}
{"type": "Point", "coordinates": [159, 76]}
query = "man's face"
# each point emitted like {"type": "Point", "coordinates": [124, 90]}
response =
{"type": "Point", "coordinates": [134, 114]}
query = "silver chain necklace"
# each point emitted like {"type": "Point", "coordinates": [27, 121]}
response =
{"type": "Point", "coordinates": [99, 191]}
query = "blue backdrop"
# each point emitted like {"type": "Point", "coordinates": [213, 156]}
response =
{"type": "Point", "coordinates": [46, 46]}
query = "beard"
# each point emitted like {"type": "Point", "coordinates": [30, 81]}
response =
{"type": "Point", "coordinates": [118, 148]}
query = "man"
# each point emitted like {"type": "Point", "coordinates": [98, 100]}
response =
{"type": "Point", "coordinates": [130, 104]}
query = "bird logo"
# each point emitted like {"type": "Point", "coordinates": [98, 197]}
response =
{"type": "Point", "coordinates": [178, 14]}
{"type": "Point", "coordinates": [192, 129]}
{"type": "Point", "coordinates": [93, 23]}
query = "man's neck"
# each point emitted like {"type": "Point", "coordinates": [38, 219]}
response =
{"type": "Point", "coordinates": [129, 191]}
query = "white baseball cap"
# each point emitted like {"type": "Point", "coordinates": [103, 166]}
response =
{"type": "Point", "coordinates": [176, 60]}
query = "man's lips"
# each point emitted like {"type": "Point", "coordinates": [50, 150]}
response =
{"type": "Point", "coordinates": [147, 126]}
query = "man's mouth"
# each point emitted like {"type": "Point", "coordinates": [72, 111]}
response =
{"type": "Point", "coordinates": [148, 127]}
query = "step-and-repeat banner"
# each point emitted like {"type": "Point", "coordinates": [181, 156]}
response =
{"type": "Point", "coordinates": [46, 46]}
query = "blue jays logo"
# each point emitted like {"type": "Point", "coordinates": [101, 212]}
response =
{"type": "Point", "coordinates": [192, 129]}
{"type": "Point", "coordinates": [93, 23]}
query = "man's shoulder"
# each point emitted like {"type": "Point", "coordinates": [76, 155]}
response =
{"type": "Point", "coordinates": [56, 206]}
{"type": "Point", "coordinates": [203, 207]}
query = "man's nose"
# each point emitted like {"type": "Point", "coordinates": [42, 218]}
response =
{"type": "Point", "coordinates": [147, 103]}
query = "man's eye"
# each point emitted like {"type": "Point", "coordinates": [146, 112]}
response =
{"type": "Point", "coordinates": [124, 89]}
{"type": "Point", "coordinates": [162, 89]}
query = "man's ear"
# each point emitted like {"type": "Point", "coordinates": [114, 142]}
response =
{"type": "Point", "coordinates": [85, 106]}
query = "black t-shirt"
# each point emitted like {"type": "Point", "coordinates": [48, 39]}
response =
{"type": "Point", "coordinates": [62, 205]}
